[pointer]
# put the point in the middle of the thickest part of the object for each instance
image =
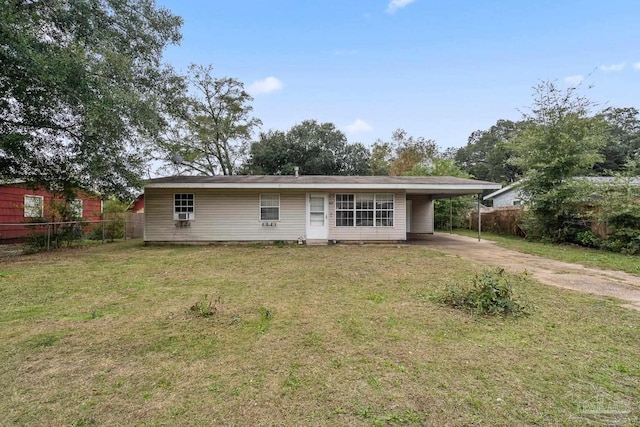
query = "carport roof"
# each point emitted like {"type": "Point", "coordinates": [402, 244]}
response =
{"type": "Point", "coordinates": [439, 186]}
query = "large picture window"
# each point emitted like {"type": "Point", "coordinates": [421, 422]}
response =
{"type": "Point", "coordinates": [364, 210]}
{"type": "Point", "coordinates": [33, 206]}
{"type": "Point", "coordinates": [269, 207]}
{"type": "Point", "coordinates": [183, 206]}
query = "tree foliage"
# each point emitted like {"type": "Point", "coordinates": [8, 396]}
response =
{"type": "Point", "coordinates": [410, 152]}
{"type": "Point", "coordinates": [401, 154]}
{"type": "Point", "coordinates": [487, 155]}
{"type": "Point", "coordinates": [212, 127]}
{"type": "Point", "coordinates": [316, 148]}
{"type": "Point", "coordinates": [622, 130]}
{"type": "Point", "coordinates": [82, 89]}
{"type": "Point", "coordinates": [561, 140]}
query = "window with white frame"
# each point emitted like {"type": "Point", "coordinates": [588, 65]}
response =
{"type": "Point", "coordinates": [33, 206]}
{"type": "Point", "coordinates": [76, 208]}
{"type": "Point", "coordinates": [364, 210]}
{"type": "Point", "coordinates": [344, 210]}
{"type": "Point", "coordinates": [384, 210]}
{"type": "Point", "coordinates": [183, 206]}
{"type": "Point", "coordinates": [269, 207]}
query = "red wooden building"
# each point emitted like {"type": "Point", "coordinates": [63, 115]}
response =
{"type": "Point", "coordinates": [21, 205]}
{"type": "Point", "coordinates": [137, 206]}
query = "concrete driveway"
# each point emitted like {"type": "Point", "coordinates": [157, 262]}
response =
{"type": "Point", "coordinates": [589, 280]}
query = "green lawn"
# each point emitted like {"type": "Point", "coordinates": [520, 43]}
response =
{"type": "Point", "coordinates": [335, 335]}
{"type": "Point", "coordinates": [568, 253]}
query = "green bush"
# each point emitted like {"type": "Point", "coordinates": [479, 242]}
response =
{"type": "Point", "coordinates": [624, 240]}
{"type": "Point", "coordinates": [491, 294]}
{"type": "Point", "coordinates": [589, 239]}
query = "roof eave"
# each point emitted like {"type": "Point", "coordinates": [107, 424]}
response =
{"type": "Point", "coordinates": [327, 186]}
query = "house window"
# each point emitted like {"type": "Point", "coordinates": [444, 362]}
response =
{"type": "Point", "coordinates": [269, 207]}
{"type": "Point", "coordinates": [33, 206]}
{"type": "Point", "coordinates": [183, 206]}
{"type": "Point", "coordinates": [364, 210]}
{"type": "Point", "coordinates": [517, 203]}
{"type": "Point", "coordinates": [76, 208]}
{"type": "Point", "coordinates": [384, 210]}
{"type": "Point", "coordinates": [344, 210]}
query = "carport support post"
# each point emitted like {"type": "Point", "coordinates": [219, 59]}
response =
{"type": "Point", "coordinates": [479, 219]}
{"type": "Point", "coordinates": [450, 215]}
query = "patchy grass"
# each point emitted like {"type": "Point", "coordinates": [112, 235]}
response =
{"type": "Point", "coordinates": [335, 335]}
{"type": "Point", "coordinates": [588, 257]}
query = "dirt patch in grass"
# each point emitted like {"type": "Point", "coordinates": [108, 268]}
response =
{"type": "Point", "coordinates": [351, 337]}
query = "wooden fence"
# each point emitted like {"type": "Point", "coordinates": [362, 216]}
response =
{"type": "Point", "coordinates": [503, 220]}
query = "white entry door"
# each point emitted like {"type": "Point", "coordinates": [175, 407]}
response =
{"type": "Point", "coordinates": [317, 216]}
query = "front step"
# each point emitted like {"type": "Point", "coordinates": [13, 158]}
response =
{"type": "Point", "coordinates": [317, 242]}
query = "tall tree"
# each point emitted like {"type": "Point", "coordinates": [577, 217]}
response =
{"type": "Point", "coordinates": [622, 130]}
{"type": "Point", "coordinates": [400, 154]}
{"type": "Point", "coordinates": [487, 155]}
{"type": "Point", "coordinates": [561, 140]}
{"type": "Point", "coordinates": [410, 151]}
{"type": "Point", "coordinates": [82, 89]}
{"type": "Point", "coordinates": [213, 129]}
{"type": "Point", "coordinates": [381, 158]}
{"type": "Point", "coordinates": [316, 148]}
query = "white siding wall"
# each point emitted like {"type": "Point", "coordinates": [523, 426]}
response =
{"type": "Point", "coordinates": [222, 215]}
{"type": "Point", "coordinates": [506, 199]}
{"type": "Point", "coordinates": [233, 215]}
{"type": "Point", "coordinates": [422, 214]}
{"type": "Point", "coordinates": [397, 232]}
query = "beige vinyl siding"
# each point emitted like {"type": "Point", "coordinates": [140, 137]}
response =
{"type": "Point", "coordinates": [223, 215]}
{"type": "Point", "coordinates": [397, 232]}
{"type": "Point", "coordinates": [421, 214]}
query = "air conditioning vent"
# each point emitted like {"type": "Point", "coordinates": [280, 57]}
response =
{"type": "Point", "coordinates": [183, 216]}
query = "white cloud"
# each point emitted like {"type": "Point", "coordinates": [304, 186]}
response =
{"type": "Point", "coordinates": [268, 85]}
{"type": "Point", "coordinates": [574, 80]}
{"type": "Point", "coordinates": [613, 67]}
{"type": "Point", "coordinates": [359, 126]}
{"type": "Point", "coordinates": [398, 4]}
{"type": "Point", "coordinates": [636, 66]}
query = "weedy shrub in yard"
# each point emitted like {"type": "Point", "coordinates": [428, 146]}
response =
{"type": "Point", "coordinates": [491, 294]}
{"type": "Point", "coordinates": [206, 307]}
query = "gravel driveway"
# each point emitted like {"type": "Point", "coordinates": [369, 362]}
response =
{"type": "Point", "coordinates": [589, 280]}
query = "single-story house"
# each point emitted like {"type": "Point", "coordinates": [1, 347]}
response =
{"type": "Point", "coordinates": [21, 204]}
{"type": "Point", "coordinates": [506, 196]}
{"type": "Point", "coordinates": [314, 209]}
{"type": "Point", "coordinates": [511, 195]}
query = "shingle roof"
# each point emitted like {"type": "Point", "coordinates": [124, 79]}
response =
{"type": "Point", "coordinates": [436, 186]}
{"type": "Point", "coordinates": [319, 179]}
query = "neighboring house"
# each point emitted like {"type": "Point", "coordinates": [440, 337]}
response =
{"type": "Point", "coordinates": [21, 204]}
{"type": "Point", "coordinates": [137, 206]}
{"type": "Point", "coordinates": [506, 196]}
{"type": "Point", "coordinates": [315, 209]}
{"type": "Point", "coordinates": [511, 196]}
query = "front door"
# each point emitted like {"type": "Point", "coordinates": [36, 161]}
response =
{"type": "Point", "coordinates": [317, 216]}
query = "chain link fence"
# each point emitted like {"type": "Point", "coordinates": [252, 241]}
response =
{"type": "Point", "coordinates": [44, 236]}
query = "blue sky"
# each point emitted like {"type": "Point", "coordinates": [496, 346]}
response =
{"type": "Point", "coordinates": [438, 69]}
